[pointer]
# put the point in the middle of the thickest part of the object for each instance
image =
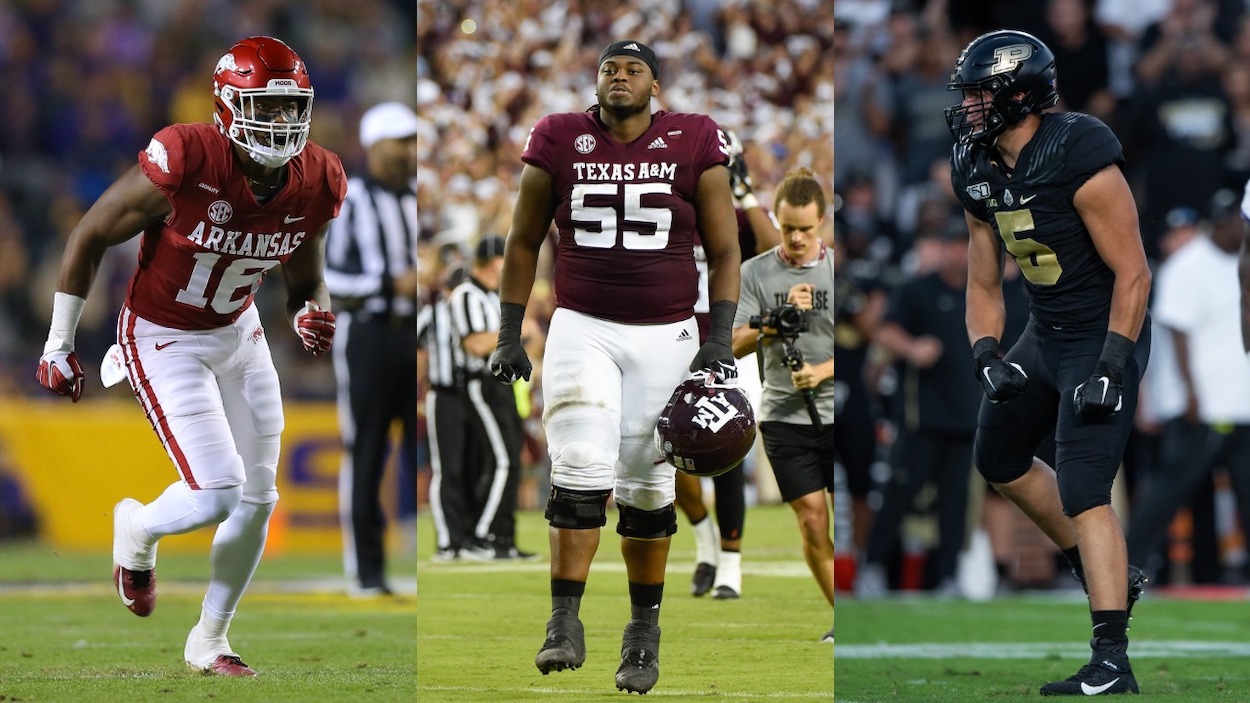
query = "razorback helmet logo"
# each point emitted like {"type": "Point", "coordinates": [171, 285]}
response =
{"type": "Point", "coordinates": [706, 429]}
{"type": "Point", "coordinates": [259, 68]}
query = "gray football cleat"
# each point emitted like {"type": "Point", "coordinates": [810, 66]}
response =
{"type": "Point", "coordinates": [565, 646]}
{"type": "Point", "coordinates": [640, 658]}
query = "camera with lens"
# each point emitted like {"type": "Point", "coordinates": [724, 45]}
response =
{"type": "Point", "coordinates": [788, 320]}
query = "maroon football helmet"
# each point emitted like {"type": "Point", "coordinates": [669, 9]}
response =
{"type": "Point", "coordinates": [706, 429]}
{"type": "Point", "coordinates": [263, 67]}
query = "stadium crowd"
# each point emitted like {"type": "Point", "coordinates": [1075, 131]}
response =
{"type": "Point", "coordinates": [488, 70]}
{"type": "Point", "coordinates": [91, 82]}
{"type": "Point", "coordinates": [1172, 80]}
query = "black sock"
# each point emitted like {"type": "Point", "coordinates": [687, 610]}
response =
{"type": "Point", "coordinates": [566, 596]}
{"type": "Point", "coordinates": [1110, 625]}
{"type": "Point", "coordinates": [644, 602]}
{"type": "Point", "coordinates": [1074, 558]}
{"type": "Point", "coordinates": [731, 507]}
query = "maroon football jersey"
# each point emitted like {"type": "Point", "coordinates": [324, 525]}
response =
{"type": "Point", "coordinates": [626, 212]}
{"type": "Point", "coordinates": [200, 268]}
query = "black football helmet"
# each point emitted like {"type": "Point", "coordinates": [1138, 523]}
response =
{"type": "Point", "coordinates": [1018, 72]}
{"type": "Point", "coordinates": [707, 428]}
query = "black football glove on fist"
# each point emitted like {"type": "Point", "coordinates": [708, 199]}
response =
{"type": "Point", "coordinates": [1102, 395]}
{"type": "Point", "coordinates": [1001, 379]}
{"type": "Point", "coordinates": [509, 361]}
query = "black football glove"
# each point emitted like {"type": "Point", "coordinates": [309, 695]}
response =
{"type": "Point", "coordinates": [1001, 379]}
{"type": "Point", "coordinates": [717, 358]}
{"type": "Point", "coordinates": [1101, 396]}
{"type": "Point", "coordinates": [509, 361]}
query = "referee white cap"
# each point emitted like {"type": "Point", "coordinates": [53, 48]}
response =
{"type": "Point", "coordinates": [389, 120]}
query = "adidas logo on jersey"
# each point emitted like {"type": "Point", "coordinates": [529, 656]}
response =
{"type": "Point", "coordinates": [684, 336]}
{"type": "Point", "coordinates": [657, 143]}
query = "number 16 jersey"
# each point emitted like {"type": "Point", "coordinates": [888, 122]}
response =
{"type": "Point", "coordinates": [626, 212]}
{"type": "Point", "coordinates": [199, 269]}
{"type": "Point", "coordinates": [1031, 209]}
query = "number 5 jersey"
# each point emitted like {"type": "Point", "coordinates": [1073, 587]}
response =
{"type": "Point", "coordinates": [1030, 208]}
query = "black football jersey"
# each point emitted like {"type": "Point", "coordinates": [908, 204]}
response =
{"type": "Point", "coordinates": [1031, 209]}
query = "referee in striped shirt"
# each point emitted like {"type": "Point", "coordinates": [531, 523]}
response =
{"type": "Point", "coordinates": [448, 417]}
{"type": "Point", "coordinates": [475, 311]}
{"type": "Point", "coordinates": [371, 271]}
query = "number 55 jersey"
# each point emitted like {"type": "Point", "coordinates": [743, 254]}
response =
{"type": "Point", "coordinates": [199, 269]}
{"type": "Point", "coordinates": [1031, 209]}
{"type": "Point", "coordinates": [626, 212]}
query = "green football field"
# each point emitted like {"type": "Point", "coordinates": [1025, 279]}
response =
{"type": "Point", "coordinates": [482, 624]}
{"type": "Point", "coordinates": [925, 650]}
{"type": "Point", "coordinates": [66, 638]}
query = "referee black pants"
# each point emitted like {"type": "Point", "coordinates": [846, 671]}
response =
{"type": "Point", "coordinates": [499, 434]}
{"type": "Point", "coordinates": [376, 363]}
{"type": "Point", "coordinates": [450, 419]}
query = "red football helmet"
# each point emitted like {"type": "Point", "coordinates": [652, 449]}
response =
{"type": "Point", "coordinates": [256, 68]}
{"type": "Point", "coordinates": [706, 429]}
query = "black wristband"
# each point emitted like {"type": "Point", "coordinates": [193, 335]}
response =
{"type": "Point", "coordinates": [721, 328]}
{"type": "Point", "coordinates": [985, 347]}
{"type": "Point", "coordinates": [510, 317]}
{"type": "Point", "coordinates": [1116, 351]}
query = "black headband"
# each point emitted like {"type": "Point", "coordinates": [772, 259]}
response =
{"type": "Point", "coordinates": [630, 47]}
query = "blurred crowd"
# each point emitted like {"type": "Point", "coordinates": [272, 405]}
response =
{"type": "Point", "coordinates": [1172, 80]}
{"type": "Point", "coordinates": [88, 82]}
{"type": "Point", "coordinates": [489, 69]}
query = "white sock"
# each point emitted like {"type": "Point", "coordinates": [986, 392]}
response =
{"type": "Point", "coordinates": [706, 540]}
{"type": "Point", "coordinates": [237, 546]}
{"type": "Point", "coordinates": [180, 509]}
{"type": "Point", "coordinates": [729, 571]}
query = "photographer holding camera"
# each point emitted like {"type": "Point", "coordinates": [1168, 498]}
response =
{"type": "Point", "coordinates": [785, 313]}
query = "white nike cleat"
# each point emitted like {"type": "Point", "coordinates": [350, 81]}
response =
{"type": "Point", "coordinates": [212, 655]}
{"type": "Point", "coordinates": [134, 563]}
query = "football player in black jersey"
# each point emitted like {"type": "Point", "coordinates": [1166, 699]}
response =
{"type": "Point", "coordinates": [1047, 189]}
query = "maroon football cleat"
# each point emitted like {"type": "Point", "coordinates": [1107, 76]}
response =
{"type": "Point", "coordinates": [137, 589]}
{"type": "Point", "coordinates": [229, 665]}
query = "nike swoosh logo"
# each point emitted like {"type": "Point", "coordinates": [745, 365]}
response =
{"type": "Point", "coordinates": [1095, 690]}
{"type": "Point", "coordinates": [1105, 385]}
{"type": "Point", "coordinates": [1025, 200]}
{"type": "Point", "coordinates": [288, 219]}
{"type": "Point", "coordinates": [121, 589]}
{"type": "Point", "coordinates": [986, 372]}
{"type": "Point", "coordinates": [162, 346]}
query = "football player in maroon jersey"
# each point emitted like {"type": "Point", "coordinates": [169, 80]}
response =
{"type": "Point", "coordinates": [219, 206]}
{"type": "Point", "coordinates": [627, 190]}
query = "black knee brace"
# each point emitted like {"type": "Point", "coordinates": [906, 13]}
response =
{"type": "Point", "coordinates": [646, 524]}
{"type": "Point", "coordinates": [577, 510]}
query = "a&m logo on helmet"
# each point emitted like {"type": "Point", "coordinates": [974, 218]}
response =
{"type": "Point", "coordinates": [584, 144]}
{"type": "Point", "coordinates": [714, 412]}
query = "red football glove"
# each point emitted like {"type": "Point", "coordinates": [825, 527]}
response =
{"type": "Point", "coordinates": [315, 327]}
{"type": "Point", "coordinates": [60, 372]}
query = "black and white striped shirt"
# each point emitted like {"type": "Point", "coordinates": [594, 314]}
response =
{"type": "Point", "coordinates": [474, 309]}
{"type": "Point", "coordinates": [437, 335]}
{"type": "Point", "coordinates": [373, 240]}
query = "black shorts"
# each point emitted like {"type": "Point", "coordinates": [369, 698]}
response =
{"type": "Point", "coordinates": [802, 459]}
{"type": "Point", "coordinates": [1087, 454]}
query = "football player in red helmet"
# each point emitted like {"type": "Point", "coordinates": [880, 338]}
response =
{"type": "Point", "coordinates": [219, 206]}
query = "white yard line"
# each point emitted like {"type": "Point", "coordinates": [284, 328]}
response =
{"type": "Point", "coordinates": [1035, 650]}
